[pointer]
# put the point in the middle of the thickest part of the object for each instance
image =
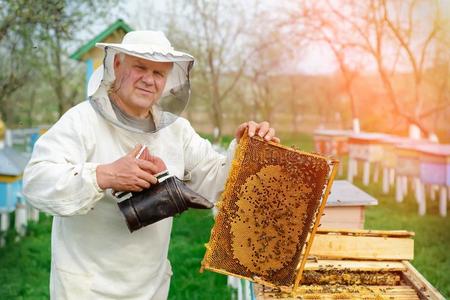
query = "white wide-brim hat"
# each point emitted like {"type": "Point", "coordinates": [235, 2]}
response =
{"type": "Point", "coordinates": [149, 45]}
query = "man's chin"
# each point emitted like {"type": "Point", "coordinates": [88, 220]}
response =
{"type": "Point", "coordinates": [144, 103]}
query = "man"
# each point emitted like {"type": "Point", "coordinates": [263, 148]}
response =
{"type": "Point", "coordinates": [134, 99]}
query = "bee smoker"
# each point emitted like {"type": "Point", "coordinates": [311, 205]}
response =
{"type": "Point", "coordinates": [170, 196]}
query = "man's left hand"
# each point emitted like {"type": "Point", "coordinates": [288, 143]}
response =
{"type": "Point", "coordinates": [262, 129]}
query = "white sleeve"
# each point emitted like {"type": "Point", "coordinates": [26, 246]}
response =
{"type": "Point", "coordinates": [207, 169]}
{"type": "Point", "coordinates": [58, 180]}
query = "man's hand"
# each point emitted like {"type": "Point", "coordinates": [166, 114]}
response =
{"type": "Point", "coordinates": [262, 129]}
{"type": "Point", "coordinates": [128, 174]}
{"type": "Point", "coordinates": [158, 162]}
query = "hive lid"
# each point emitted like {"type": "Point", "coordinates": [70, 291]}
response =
{"type": "Point", "coordinates": [268, 213]}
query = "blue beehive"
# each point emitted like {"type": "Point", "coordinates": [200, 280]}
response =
{"type": "Point", "coordinates": [12, 165]}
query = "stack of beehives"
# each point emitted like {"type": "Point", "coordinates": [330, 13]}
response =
{"type": "Point", "coordinates": [358, 264]}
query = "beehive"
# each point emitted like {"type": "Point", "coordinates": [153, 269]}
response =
{"type": "Point", "coordinates": [358, 264]}
{"type": "Point", "coordinates": [268, 212]}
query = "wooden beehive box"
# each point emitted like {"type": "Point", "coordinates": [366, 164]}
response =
{"type": "Point", "coordinates": [346, 206]}
{"type": "Point", "coordinates": [358, 264]}
{"type": "Point", "coordinates": [365, 146]}
{"type": "Point", "coordinates": [331, 142]}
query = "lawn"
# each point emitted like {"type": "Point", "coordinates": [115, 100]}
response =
{"type": "Point", "coordinates": [24, 265]}
{"type": "Point", "coordinates": [432, 239]}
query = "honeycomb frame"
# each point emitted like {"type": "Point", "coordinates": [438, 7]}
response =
{"type": "Point", "coordinates": [268, 213]}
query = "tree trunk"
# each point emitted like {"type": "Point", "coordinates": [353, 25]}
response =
{"type": "Point", "coordinates": [217, 111]}
{"type": "Point", "coordinates": [59, 75]}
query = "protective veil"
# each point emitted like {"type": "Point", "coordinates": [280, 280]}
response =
{"type": "Point", "coordinates": [149, 45]}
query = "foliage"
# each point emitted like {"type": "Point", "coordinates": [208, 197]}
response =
{"type": "Point", "coordinates": [60, 73]}
{"type": "Point", "coordinates": [19, 26]}
{"type": "Point", "coordinates": [38, 82]}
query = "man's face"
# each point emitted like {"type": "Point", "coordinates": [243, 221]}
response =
{"type": "Point", "coordinates": [139, 83]}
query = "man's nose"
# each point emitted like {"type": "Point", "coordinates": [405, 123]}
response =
{"type": "Point", "coordinates": [148, 78]}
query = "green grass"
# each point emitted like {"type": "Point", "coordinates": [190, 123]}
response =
{"type": "Point", "coordinates": [24, 266]}
{"type": "Point", "coordinates": [301, 141]}
{"type": "Point", "coordinates": [432, 233]}
{"type": "Point", "coordinates": [190, 232]}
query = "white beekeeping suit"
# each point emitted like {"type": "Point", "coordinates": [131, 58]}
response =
{"type": "Point", "coordinates": [93, 254]}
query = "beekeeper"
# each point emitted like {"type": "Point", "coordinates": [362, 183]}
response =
{"type": "Point", "coordinates": [135, 98]}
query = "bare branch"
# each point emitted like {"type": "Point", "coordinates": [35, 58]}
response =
{"type": "Point", "coordinates": [436, 109]}
{"type": "Point", "coordinates": [402, 41]}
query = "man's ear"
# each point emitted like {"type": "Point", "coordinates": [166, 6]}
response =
{"type": "Point", "coordinates": [116, 62]}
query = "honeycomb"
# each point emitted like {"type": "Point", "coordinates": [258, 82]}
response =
{"type": "Point", "coordinates": [266, 212]}
{"type": "Point", "coordinates": [349, 277]}
{"type": "Point", "coordinates": [336, 291]}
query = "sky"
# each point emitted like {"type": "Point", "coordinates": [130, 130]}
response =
{"type": "Point", "coordinates": [314, 58]}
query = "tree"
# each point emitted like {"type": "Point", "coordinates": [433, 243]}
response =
{"type": "Point", "coordinates": [20, 22]}
{"type": "Point", "coordinates": [221, 36]}
{"type": "Point", "coordinates": [320, 29]}
{"type": "Point", "coordinates": [391, 35]}
{"type": "Point", "coordinates": [264, 71]}
{"type": "Point", "coordinates": [417, 56]}
{"type": "Point", "coordinates": [62, 74]}
{"type": "Point", "coordinates": [34, 40]}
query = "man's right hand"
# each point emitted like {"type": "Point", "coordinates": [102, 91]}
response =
{"type": "Point", "coordinates": [127, 174]}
